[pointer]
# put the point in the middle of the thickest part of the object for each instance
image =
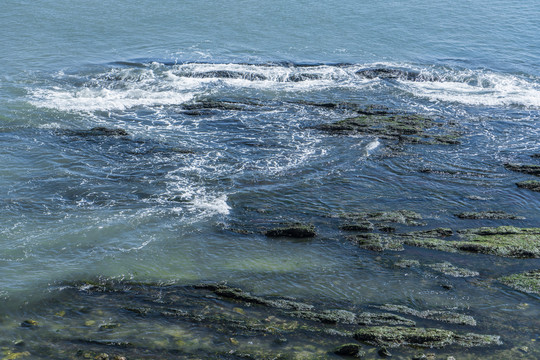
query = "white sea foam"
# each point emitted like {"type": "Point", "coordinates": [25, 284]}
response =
{"type": "Point", "coordinates": [480, 88]}
{"type": "Point", "coordinates": [212, 204]}
{"type": "Point", "coordinates": [157, 84]}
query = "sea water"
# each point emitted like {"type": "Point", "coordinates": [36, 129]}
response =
{"type": "Point", "coordinates": [221, 104]}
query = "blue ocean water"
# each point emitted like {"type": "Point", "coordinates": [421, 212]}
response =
{"type": "Point", "coordinates": [220, 104]}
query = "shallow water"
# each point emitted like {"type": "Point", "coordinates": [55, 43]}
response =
{"type": "Point", "coordinates": [221, 108]}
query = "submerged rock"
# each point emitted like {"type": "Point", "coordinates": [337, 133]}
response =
{"type": "Point", "coordinates": [239, 294]}
{"type": "Point", "coordinates": [405, 217]}
{"type": "Point", "coordinates": [451, 270]}
{"type": "Point", "coordinates": [524, 168]}
{"type": "Point", "coordinates": [437, 315]}
{"type": "Point", "coordinates": [352, 350]}
{"type": "Point", "coordinates": [378, 242]}
{"type": "Point", "coordinates": [421, 337]}
{"type": "Point", "coordinates": [528, 282]}
{"type": "Point", "coordinates": [296, 230]}
{"type": "Point", "coordinates": [407, 128]}
{"type": "Point", "coordinates": [507, 241]}
{"type": "Point", "coordinates": [533, 185]}
{"type": "Point", "coordinates": [407, 263]}
{"type": "Point", "coordinates": [491, 215]}
{"type": "Point", "coordinates": [358, 226]}
{"type": "Point", "coordinates": [98, 131]}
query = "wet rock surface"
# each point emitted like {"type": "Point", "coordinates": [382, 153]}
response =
{"type": "Point", "coordinates": [524, 168]}
{"type": "Point", "coordinates": [533, 185]}
{"type": "Point", "coordinates": [123, 320]}
{"type": "Point", "coordinates": [406, 128]}
{"type": "Point", "coordinates": [492, 215]}
{"type": "Point", "coordinates": [528, 282]}
{"type": "Point", "coordinates": [295, 230]}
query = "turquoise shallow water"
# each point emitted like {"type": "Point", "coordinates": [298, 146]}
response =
{"type": "Point", "coordinates": [221, 105]}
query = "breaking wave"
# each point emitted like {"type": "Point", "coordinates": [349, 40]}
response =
{"type": "Point", "coordinates": [122, 86]}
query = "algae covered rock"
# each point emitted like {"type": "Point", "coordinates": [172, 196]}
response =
{"type": "Point", "coordinates": [533, 185]}
{"type": "Point", "coordinates": [407, 263]}
{"type": "Point", "coordinates": [524, 168]}
{"type": "Point", "coordinates": [507, 241]}
{"type": "Point", "coordinates": [491, 215]}
{"type": "Point", "coordinates": [528, 282]}
{"type": "Point", "coordinates": [377, 242]}
{"type": "Point", "coordinates": [295, 230]}
{"type": "Point", "coordinates": [437, 315]}
{"type": "Point", "coordinates": [421, 337]}
{"type": "Point", "coordinates": [451, 270]}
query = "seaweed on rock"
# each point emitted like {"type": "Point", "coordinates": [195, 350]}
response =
{"type": "Point", "coordinates": [528, 282]}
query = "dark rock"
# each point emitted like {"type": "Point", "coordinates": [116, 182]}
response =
{"type": "Point", "coordinates": [406, 128]}
{"type": "Point", "coordinates": [97, 131]}
{"type": "Point", "coordinates": [533, 185]}
{"type": "Point", "coordinates": [358, 226]}
{"type": "Point", "coordinates": [29, 323]}
{"type": "Point", "coordinates": [214, 105]}
{"type": "Point", "coordinates": [524, 168]}
{"type": "Point", "coordinates": [383, 352]}
{"type": "Point", "coordinates": [293, 230]}
{"type": "Point", "coordinates": [228, 74]}
{"type": "Point", "coordinates": [352, 350]}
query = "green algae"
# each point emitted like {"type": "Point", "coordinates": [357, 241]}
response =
{"type": "Point", "coordinates": [377, 242]}
{"type": "Point", "coordinates": [533, 185]}
{"type": "Point", "coordinates": [451, 270]}
{"type": "Point", "coordinates": [524, 168]}
{"type": "Point", "coordinates": [506, 241]}
{"type": "Point", "coordinates": [407, 263]}
{"type": "Point", "coordinates": [294, 230]}
{"type": "Point", "coordinates": [405, 217]}
{"type": "Point", "coordinates": [490, 215]}
{"type": "Point", "coordinates": [421, 337]}
{"type": "Point", "coordinates": [437, 315]}
{"type": "Point", "coordinates": [528, 282]}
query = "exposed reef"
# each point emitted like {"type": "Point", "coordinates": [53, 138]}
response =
{"type": "Point", "coordinates": [490, 215]}
{"type": "Point", "coordinates": [295, 230]}
{"type": "Point", "coordinates": [533, 185]}
{"type": "Point", "coordinates": [528, 282]}
{"type": "Point", "coordinates": [123, 320]}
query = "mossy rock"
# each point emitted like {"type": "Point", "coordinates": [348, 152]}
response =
{"type": "Point", "coordinates": [405, 217]}
{"type": "Point", "coordinates": [490, 215]}
{"type": "Point", "coordinates": [377, 242]}
{"type": "Point", "coordinates": [437, 315]}
{"type": "Point", "coordinates": [533, 185]}
{"type": "Point", "coordinates": [507, 241]}
{"type": "Point", "coordinates": [295, 230]}
{"type": "Point", "coordinates": [451, 270]}
{"type": "Point", "coordinates": [528, 282]}
{"type": "Point", "coordinates": [364, 226]}
{"type": "Point", "coordinates": [405, 264]}
{"type": "Point", "coordinates": [421, 337]}
{"type": "Point", "coordinates": [524, 168]}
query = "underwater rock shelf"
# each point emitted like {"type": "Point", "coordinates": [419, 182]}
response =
{"type": "Point", "coordinates": [122, 320]}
